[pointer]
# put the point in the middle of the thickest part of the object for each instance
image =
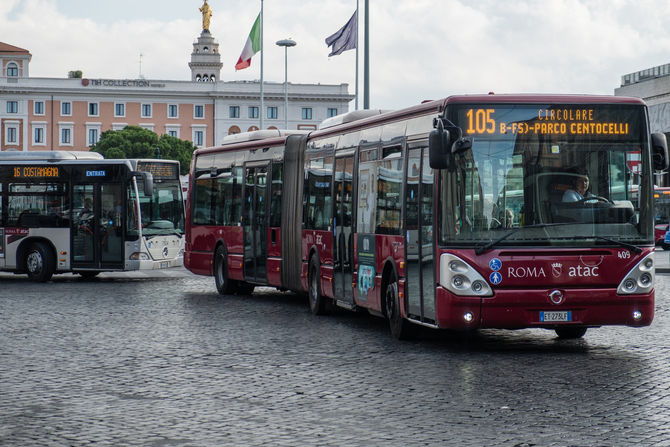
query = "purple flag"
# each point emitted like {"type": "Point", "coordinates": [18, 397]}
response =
{"type": "Point", "coordinates": [345, 38]}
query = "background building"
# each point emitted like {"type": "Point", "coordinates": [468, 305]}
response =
{"type": "Point", "coordinates": [653, 86]}
{"type": "Point", "coordinates": [70, 114]}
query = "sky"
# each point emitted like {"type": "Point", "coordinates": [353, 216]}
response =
{"type": "Point", "coordinates": [419, 49]}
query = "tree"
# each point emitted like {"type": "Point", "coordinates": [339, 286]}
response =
{"type": "Point", "coordinates": [137, 142]}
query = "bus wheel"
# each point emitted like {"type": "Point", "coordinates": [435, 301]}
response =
{"type": "Point", "coordinates": [570, 332]}
{"type": "Point", "coordinates": [401, 329]}
{"type": "Point", "coordinates": [317, 302]}
{"type": "Point", "coordinates": [40, 262]}
{"type": "Point", "coordinates": [223, 283]}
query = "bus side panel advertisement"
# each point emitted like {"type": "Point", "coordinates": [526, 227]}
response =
{"type": "Point", "coordinates": [366, 265]}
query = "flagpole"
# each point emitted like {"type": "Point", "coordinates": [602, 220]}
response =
{"type": "Point", "coordinates": [357, 28]}
{"type": "Point", "coordinates": [260, 112]}
{"type": "Point", "coordinates": [366, 62]}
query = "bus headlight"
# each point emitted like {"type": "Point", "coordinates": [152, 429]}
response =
{"type": "Point", "coordinates": [640, 279]}
{"type": "Point", "coordinates": [139, 256]}
{"type": "Point", "coordinates": [460, 278]}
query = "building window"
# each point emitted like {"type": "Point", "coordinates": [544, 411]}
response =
{"type": "Point", "coordinates": [199, 111]}
{"type": "Point", "coordinates": [11, 135]}
{"type": "Point", "coordinates": [198, 137]}
{"type": "Point", "coordinates": [146, 110]}
{"type": "Point", "coordinates": [173, 111]}
{"type": "Point", "coordinates": [38, 107]}
{"type": "Point", "coordinates": [332, 111]}
{"type": "Point", "coordinates": [119, 110]}
{"type": "Point", "coordinates": [66, 108]}
{"type": "Point", "coordinates": [173, 133]}
{"type": "Point", "coordinates": [253, 112]}
{"type": "Point", "coordinates": [272, 113]}
{"type": "Point", "coordinates": [38, 135]}
{"type": "Point", "coordinates": [92, 109]}
{"type": "Point", "coordinates": [12, 107]}
{"type": "Point", "coordinates": [92, 137]}
{"type": "Point", "coordinates": [66, 136]}
{"type": "Point", "coordinates": [12, 70]}
{"type": "Point", "coordinates": [307, 113]}
{"type": "Point", "coordinates": [234, 111]}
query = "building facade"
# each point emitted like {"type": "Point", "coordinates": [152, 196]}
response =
{"type": "Point", "coordinates": [71, 114]}
{"type": "Point", "coordinates": [653, 86]}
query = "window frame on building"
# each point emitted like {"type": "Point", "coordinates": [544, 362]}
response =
{"type": "Point", "coordinates": [253, 112]}
{"type": "Point", "coordinates": [66, 108]}
{"type": "Point", "coordinates": [12, 133]}
{"type": "Point", "coordinates": [38, 108]}
{"type": "Point", "coordinates": [13, 107]}
{"type": "Point", "coordinates": [331, 112]}
{"type": "Point", "coordinates": [272, 112]}
{"type": "Point", "coordinates": [122, 106]}
{"type": "Point", "coordinates": [306, 113]}
{"type": "Point", "coordinates": [170, 109]}
{"type": "Point", "coordinates": [198, 111]}
{"type": "Point", "coordinates": [42, 128]}
{"type": "Point", "coordinates": [12, 70]}
{"type": "Point", "coordinates": [93, 109]}
{"type": "Point", "coordinates": [66, 129]}
{"type": "Point", "coordinates": [234, 112]}
{"type": "Point", "coordinates": [143, 110]}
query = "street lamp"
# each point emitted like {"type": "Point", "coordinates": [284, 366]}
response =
{"type": "Point", "coordinates": [285, 43]}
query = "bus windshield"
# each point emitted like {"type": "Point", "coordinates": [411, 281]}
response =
{"type": "Point", "coordinates": [559, 175]}
{"type": "Point", "coordinates": [163, 213]}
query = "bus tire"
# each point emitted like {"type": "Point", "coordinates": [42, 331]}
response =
{"type": "Point", "coordinates": [40, 262]}
{"type": "Point", "coordinates": [317, 302]}
{"type": "Point", "coordinates": [223, 283]}
{"type": "Point", "coordinates": [570, 332]}
{"type": "Point", "coordinates": [401, 329]}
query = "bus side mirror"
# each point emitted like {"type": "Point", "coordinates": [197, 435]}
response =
{"type": "Point", "coordinates": [438, 142]}
{"type": "Point", "coordinates": [659, 151]}
{"type": "Point", "coordinates": [147, 182]}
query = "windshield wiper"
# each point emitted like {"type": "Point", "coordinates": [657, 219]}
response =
{"type": "Point", "coordinates": [631, 247]}
{"type": "Point", "coordinates": [487, 246]}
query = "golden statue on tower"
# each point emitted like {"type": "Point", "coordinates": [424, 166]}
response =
{"type": "Point", "coordinates": [206, 11]}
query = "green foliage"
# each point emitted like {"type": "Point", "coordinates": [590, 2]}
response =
{"type": "Point", "coordinates": [137, 142]}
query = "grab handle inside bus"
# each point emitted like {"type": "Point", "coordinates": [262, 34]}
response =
{"type": "Point", "coordinates": [147, 182]}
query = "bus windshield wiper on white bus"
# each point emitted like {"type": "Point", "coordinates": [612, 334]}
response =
{"type": "Point", "coordinates": [487, 246]}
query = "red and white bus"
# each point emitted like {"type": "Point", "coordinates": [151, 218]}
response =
{"type": "Point", "coordinates": [449, 214]}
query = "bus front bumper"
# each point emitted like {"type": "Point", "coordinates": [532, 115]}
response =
{"type": "Point", "coordinates": [516, 309]}
{"type": "Point", "coordinates": [155, 265]}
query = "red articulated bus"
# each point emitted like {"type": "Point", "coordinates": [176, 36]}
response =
{"type": "Point", "coordinates": [458, 213]}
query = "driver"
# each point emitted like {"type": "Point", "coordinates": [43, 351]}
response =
{"type": "Point", "coordinates": [579, 190]}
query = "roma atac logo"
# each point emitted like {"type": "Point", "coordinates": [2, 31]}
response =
{"type": "Point", "coordinates": [557, 269]}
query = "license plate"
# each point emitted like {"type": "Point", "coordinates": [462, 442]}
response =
{"type": "Point", "coordinates": [552, 316]}
{"type": "Point", "coordinates": [164, 264]}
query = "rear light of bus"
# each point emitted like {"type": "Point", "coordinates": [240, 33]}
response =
{"type": "Point", "coordinates": [460, 278]}
{"type": "Point", "coordinates": [139, 256]}
{"type": "Point", "coordinates": [640, 279]}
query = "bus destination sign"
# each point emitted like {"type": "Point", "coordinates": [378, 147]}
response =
{"type": "Point", "coordinates": [36, 172]}
{"type": "Point", "coordinates": [547, 121]}
{"type": "Point", "coordinates": [160, 171]}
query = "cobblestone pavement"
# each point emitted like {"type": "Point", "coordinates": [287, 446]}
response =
{"type": "Point", "coordinates": [162, 360]}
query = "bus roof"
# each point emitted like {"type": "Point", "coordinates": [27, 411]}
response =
{"type": "Point", "coordinates": [259, 135]}
{"type": "Point", "coordinates": [49, 155]}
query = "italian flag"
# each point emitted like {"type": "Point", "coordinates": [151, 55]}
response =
{"type": "Point", "coordinates": [252, 46]}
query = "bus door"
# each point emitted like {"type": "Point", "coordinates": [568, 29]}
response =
{"type": "Point", "coordinates": [255, 222]}
{"type": "Point", "coordinates": [342, 229]}
{"type": "Point", "coordinates": [420, 288]}
{"type": "Point", "coordinates": [97, 226]}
